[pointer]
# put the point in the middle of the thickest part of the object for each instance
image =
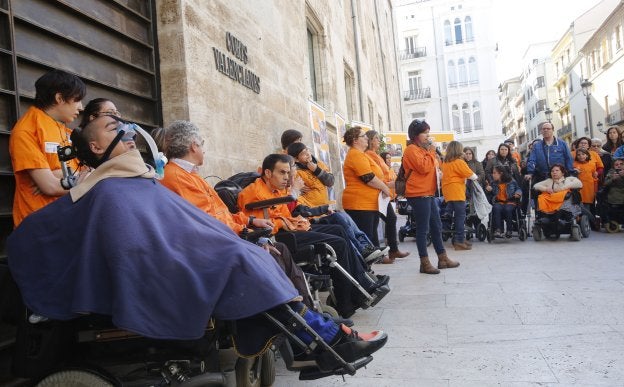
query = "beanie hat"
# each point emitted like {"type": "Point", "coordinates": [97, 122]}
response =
{"type": "Point", "coordinates": [295, 148]}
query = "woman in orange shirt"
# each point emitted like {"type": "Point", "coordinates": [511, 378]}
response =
{"type": "Point", "coordinates": [586, 169]}
{"type": "Point", "coordinates": [363, 184]}
{"type": "Point", "coordinates": [419, 162]}
{"type": "Point", "coordinates": [455, 171]}
{"type": "Point", "coordinates": [389, 177]}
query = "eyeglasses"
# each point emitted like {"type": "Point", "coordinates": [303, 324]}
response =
{"type": "Point", "coordinates": [595, 145]}
{"type": "Point", "coordinates": [110, 112]}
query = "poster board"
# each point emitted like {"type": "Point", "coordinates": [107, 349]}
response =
{"type": "Point", "coordinates": [320, 138]}
{"type": "Point", "coordinates": [341, 129]}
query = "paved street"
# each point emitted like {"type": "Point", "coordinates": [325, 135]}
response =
{"type": "Point", "coordinates": [514, 313]}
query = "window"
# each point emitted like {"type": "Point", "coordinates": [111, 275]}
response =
{"type": "Point", "coordinates": [410, 45]}
{"type": "Point", "coordinates": [311, 66]}
{"type": "Point", "coordinates": [466, 118]}
{"type": "Point", "coordinates": [618, 38]}
{"type": "Point", "coordinates": [621, 92]}
{"type": "Point", "coordinates": [414, 79]}
{"type": "Point", "coordinates": [461, 69]}
{"type": "Point", "coordinates": [604, 49]}
{"type": "Point", "coordinates": [416, 115]}
{"type": "Point", "coordinates": [468, 28]}
{"type": "Point", "coordinates": [539, 82]}
{"type": "Point", "coordinates": [540, 105]}
{"type": "Point", "coordinates": [458, 31]}
{"type": "Point", "coordinates": [472, 70]}
{"type": "Point", "coordinates": [452, 75]}
{"type": "Point", "coordinates": [371, 112]}
{"type": "Point", "coordinates": [349, 90]}
{"type": "Point", "coordinates": [476, 115]}
{"type": "Point", "coordinates": [448, 37]}
{"type": "Point", "coordinates": [455, 114]}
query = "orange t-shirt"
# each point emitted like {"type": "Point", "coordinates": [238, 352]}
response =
{"type": "Point", "coordinates": [501, 196]}
{"type": "Point", "coordinates": [423, 178]}
{"type": "Point", "coordinates": [358, 195]}
{"type": "Point", "coordinates": [388, 173]}
{"type": "Point", "coordinates": [33, 145]}
{"type": "Point", "coordinates": [259, 190]}
{"type": "Point", "coordinates": [454, 175]}
{"type": "Point", "coordinates": [317, 195]}
{"type": "Point", "coordinates": [586, 171]}
{"type": "Point", "coordinates": [196, 190]}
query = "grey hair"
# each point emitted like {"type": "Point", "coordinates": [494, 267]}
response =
{"type": "Point", "coordinates": [178, 138]}
{"type": "Point", "coordinates": [599, 141]}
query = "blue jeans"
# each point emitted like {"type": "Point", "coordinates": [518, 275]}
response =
{"type": "Point", "coordinates": [356, 236]}
{"type": "Point", "coordinates": [426, 220]}
{"type": "Point", "coordinates": [500, 211]}
{"type": "Point", "coordinates": [457, 209]}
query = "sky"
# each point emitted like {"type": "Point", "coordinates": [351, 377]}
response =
{"type": "Point", "coordinates": [521, 22]}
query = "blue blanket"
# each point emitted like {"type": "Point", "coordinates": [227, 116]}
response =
{"type": "Point", "coordinates": [134, 250]}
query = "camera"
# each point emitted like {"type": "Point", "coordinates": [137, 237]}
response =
{"type": "Point", "coordinates": [66, 153]}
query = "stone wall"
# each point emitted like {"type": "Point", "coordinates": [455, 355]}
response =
{"type": "Point", "coordinates": [241, 126]}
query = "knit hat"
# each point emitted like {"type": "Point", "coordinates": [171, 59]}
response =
{"type": "Point", "coordinates": [295, 148]}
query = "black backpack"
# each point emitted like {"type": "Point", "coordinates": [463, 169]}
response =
{"type": "Point", "coordinates": [229, 189]}
{"type": "Point", "coordinates": [401, 181]}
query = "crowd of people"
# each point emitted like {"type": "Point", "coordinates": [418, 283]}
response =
{"type": "Point", "coordinates": [222, 274]}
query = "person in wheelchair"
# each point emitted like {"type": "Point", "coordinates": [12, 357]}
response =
{"type": "Point", "coordinates": [183, 145]}
{"type": "Point", "coordinates": [554, 204]}
{"type": "Point", "coordinates": [276, 170]}
{"type": "Point", "coordinates": [122, 245]}
{"type": "Point", "coordinates": [316, 196]}
{"type": "Point", "coordinates": [506, 194]}
{"type": "Point", "coordinates": [614, 185]}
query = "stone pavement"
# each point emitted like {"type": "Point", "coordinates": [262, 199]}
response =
{"type": "Point", "coordinates": [547, 313]}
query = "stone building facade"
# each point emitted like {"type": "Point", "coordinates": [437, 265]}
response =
{"type": "Point", "coordinates": [245, 71]}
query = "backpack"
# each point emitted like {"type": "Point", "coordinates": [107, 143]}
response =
{"type": "Point", "coordinates": [229, 189]}
{"type": "Point", "coordinates": [401, 181]}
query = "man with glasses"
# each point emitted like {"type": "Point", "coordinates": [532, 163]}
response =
{"type": "Point", "coordinates": [546, 153]}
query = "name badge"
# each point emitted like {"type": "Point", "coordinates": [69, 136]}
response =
{"type": "Point", "coordinates": [51, 147]}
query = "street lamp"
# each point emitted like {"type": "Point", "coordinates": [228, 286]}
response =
{"type": "Point", "coordinates": [586, 85]}
{"type": "Point", "coordinates": [548, 113]}
{"type": "Point", "coordinates": [599, 126]}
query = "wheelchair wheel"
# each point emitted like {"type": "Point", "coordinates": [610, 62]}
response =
{"type": "Point", "coordinates": [401, 236]}
{"type": "Point", "coordinates": [267, 375]}
{"type": "Point", "coordinates": [538, 233]}
{"type": "Point", "coordinates": [613, 227]}
{"type": "Point", "coordinates": [248, 371]}
{"type": "Point", "coordinates": [522, 234]}
{"type": "Point", "coordinates": [489, 234]}
{"type": "Point", "coordinates": [429, 240]}
{"type": "Point", "coordinates": [482, 232]}
{"type": "Point", "coordinates": [575, 233]}
{"type": "Point", "coordinates": [74, 378]}
{"type": "Point", "coordinates": [329, 310]}
{"type": "Point", "coordinates": [585, 226]}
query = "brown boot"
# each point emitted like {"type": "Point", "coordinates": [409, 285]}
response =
{"type": "Point", "coordinates": [426, 266]}
{"type": "Point", "coordinates": [398, 254]}
{"type": "Point", "coordinates": [444, 262]}
{"type": "Point", "coordinates": [462, 246]}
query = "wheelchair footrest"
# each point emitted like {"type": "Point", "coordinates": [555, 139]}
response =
{"type": "Point", "coordinates": [378, 295]}
{"type": "Point", "coordinates": [315, 373]}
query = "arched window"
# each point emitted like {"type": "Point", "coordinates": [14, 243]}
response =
{"type": "Point", "coordinates": [476, 115]}
{"type": "Point", "coordinates": [461, 69]}
{"type": "Point", "coordinates": [455, 114]}
{"type": "Point", "coordinates": [472, 70]}
{"type": "Point", "coordinates": [468, 29]}
{"type": "Point", "coordinates": [452, 74]}
{"type": "Point", "coordinates": [466, 118]}
{"type": "Point", "coordinates": [448, 34]}
{"type": "Point", "coordinates": [458, 31]}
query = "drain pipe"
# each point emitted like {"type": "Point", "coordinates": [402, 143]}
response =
{"type": "Point", "coordinates": [356, 38]}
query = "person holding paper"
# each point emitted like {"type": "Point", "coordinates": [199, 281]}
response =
{"type": "Point", "coordinates": [388, 216]}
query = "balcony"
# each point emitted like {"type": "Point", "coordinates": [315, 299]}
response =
{"type": "Point", "coordinates": [412, 95]}
{"type": "Point", "coordinates": [616, 117]}
{"type": "Point", "coordinates": [565, 129]}
{"type": "Point", "coordinates": [413, 53]}
{"type": "Point", "coordinates": [463, 83]}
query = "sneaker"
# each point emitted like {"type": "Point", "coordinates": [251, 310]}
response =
{"type": "Point", "coordinates": [498, 234]}
{"type": "Point", "coordinates": [371, 254]}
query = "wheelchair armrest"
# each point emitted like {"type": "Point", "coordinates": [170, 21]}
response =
{"type": "Point", "coordinates": [269, 202]}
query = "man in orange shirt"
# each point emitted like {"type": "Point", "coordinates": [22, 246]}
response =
{"type": "Point", "coordinates": [276, 169]}
{"type": "Point", "coordinates": [183, 146]}
{"type": "Point", "coordinates": [35, 139]}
